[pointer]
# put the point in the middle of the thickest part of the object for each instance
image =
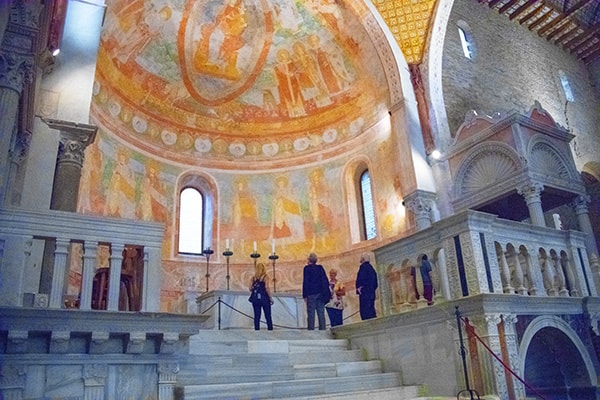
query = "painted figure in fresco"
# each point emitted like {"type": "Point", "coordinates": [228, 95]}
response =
{"type": "Point", "coordinates": [309, 77]}
{"type": "Point", "coordinates": [288, 85]}
{"type": "Point", "coordinates": [218, 49]}
{"type": "Point", "coordinates": [286, 221]}
{"type": "Point", "coordinates": [120, 196]}
{"type": "Point", "coordinates": [152, 198]}
{"type": "Point", "coordinates": [321, 217]}
{"type": "Point", "coordinates": [331, 66]}
{"type": "Point", "coordinates": [288, 17]}
{"type": "Point", "coordinates": [89, 195]}
{"type": "Point", "coordinates": [142, 25]}
{"type": "Point", "coordinates": [244, 212]}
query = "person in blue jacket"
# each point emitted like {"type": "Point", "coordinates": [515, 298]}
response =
{"type": "Point", "coordinates": [315, 291]}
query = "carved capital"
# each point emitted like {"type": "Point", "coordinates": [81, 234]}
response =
{"type": "Point", "coordinates": [531, 191]}
{"type": "Point", "coordinates": [16, 70]}
{"type": "Point", "coordinates": [580, 204]}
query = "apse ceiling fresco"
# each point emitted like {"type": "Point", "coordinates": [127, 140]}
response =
{"type": "Point", "coordinates": [237, 79]}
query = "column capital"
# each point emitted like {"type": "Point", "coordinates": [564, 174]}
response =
{"type": "Point", "coordinates": [74, 138]}
{"type": "Point", "coordinates": [420, 203]}
{"type": "Point", "coordinates": [580, 204]}
{"type": "Point", "coordinates": [16, 70]}
{"type": "Point", "coordinates": [531, 190]}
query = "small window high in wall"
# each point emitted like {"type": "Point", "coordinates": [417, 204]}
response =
{"type": "Point", "coordinates": [564, 81]}
{"type": "Point", "coordinates": [191, 221]}
{"type": "Point", "coordinates": [367, 206]}
{"type": "Point", "coordinates": [466, 40]}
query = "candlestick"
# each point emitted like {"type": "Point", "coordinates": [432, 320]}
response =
{"type": "Point", "coordinates": [255, 256]}
{"type": "Point", "coordinates": [227, 253]}
{"type": "Point", "coordinates": [207, 252]}
{"type": "Point", "coordinates": [227, 244]}
{"type": "Point", "coordinates": [272, 246]}
{"type": "Point", "coordinates": [273, 257]}
{"type": "Point", "coordinates": [255, 246]}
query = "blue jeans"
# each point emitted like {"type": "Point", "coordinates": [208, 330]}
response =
{"type": "Point", "coordinates": [314, 303]}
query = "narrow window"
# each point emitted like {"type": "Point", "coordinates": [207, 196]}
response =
{"type": "Point", "coordinates": [191, 212]}
{"type": "Point", "coordinates": [564, 81]}
{"type": "Point", "coordinates": [467, 42]}
{"type": "Point", "coordinates": [367, 206]}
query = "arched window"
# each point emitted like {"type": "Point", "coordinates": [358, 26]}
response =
{"type": "Point", "coordinates": [466, 40]}
{"type": "Point", "coordinates": [564, 81]}
{"type": "Point", "coordinates": [191, 217]}
{"type": "Point", "coordinates": [195, 215]}
{"type": "Point", "coordinates": [370, 230]}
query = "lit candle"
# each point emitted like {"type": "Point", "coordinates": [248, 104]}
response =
{"type": "Point", "coordinates": [227, 244]}
{"type": "Point", "coordinates": [255, 247]}
{"type": "Point", "coordinates": [273, 246]}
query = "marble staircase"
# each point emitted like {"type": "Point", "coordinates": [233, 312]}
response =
{"type": "Point", "coordinates": [282, 364]}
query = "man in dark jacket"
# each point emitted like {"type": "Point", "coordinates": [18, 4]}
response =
{"type": "Point", "coordinates": [366, 285]}
{"type": "Point", "coordinates": [315, 291]}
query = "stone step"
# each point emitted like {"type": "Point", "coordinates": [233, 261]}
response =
{"type": "Point", "coordinates": [293, 388]}
{"type": "Point", "coordinates": [271, 371]}
{"type": "Point", "coordinates": [395, 393]}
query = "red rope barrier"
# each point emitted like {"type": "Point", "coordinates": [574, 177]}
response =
{"type": "Point", "coordinates": [506, 367]}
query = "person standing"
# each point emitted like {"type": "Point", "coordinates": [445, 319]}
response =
{"type": "Point", "coordinates": [315, 291]}
{"type": "Point", "coordinates": [335, 307]}
{"type": "Point", "coordinates": [426, 277]}
{"type": "Point", "coordinates": [260, 296]}
{"type": "Point", "coordinates": [366, 285]}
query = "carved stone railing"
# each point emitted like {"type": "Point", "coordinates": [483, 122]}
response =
{"type": "Point", "coordinates": [20, 263]}
{"type": "Point", "coordinates": [474, 252]}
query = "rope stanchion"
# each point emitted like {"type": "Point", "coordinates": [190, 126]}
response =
{"type": "Point", "coordinates": [506, 367]}
{"type": "Point", "coordinates": [220, 301]}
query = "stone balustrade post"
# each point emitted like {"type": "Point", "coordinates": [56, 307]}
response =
{"type": "Point", "coordinates": [114, 285]}
{"type": "Point", "coordinates": [87, 279]}
{"type": "Point", "coordinates": [59, 274]}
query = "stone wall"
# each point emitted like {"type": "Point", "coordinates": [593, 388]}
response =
{"type": "Point", "coordinates": [511, 69]}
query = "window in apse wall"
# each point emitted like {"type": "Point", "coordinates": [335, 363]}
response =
{"type": "Point", "coordinates": [564, 81]}
{"type": "Point", "coordinates": [466, 41]}
{"type": "Point", "coordinates": [367, 206]}
{"type": "Point", "coordinates": [191, 213]}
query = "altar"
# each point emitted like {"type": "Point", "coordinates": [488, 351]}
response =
{"type": "Point", "coordinates": [234, 310]}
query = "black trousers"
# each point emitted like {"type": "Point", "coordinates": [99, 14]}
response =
{"type": "Point", "coordinates": [266, 307]}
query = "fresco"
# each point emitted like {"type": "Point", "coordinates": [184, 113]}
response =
{"type": "Point", "coordinates": [243, 78]}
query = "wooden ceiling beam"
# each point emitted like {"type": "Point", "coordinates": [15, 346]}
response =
{"type": "Point", "coordinates": [493, 3]}
{"type": "Point", "coordinates": [584, 38]}
{"type": "Point", "coordinates": [507, 6]}
{"type": "Point", "coordinates": [591, 54]}
{"type": "Point", "coordinates": [564, 34]}
{"type": "Point", "coordinates": [522, 9]}
{"type": "Point", "coordinates": [540, 20]}
{"type": "Point", "coordinates": [564, 16]}
{"type": "Point", "coordinates": [531, 14]}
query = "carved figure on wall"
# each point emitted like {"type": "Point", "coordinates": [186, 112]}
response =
{"type": "Point", "coordinates": [217, 51]}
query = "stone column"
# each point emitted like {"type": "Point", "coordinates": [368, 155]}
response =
{"type": "Point", "coordinates": [58, 275]}
{"type": "Point", "coordinates": [16, 71]}
{"type": "Point", "coordinates": [167, 378]}
{"type": "Point", "coordinates": [87, 280]}
{"type": "Point", "coordinates": [74, 138]}
{"type": "Point", "coordinates": [532, 194]}
{"type": "Point", "coordinates": [580, 204]}
{"type": "Point", "coordinates": [420, 203]}
{"type": "Point", "coordinates": [114, 285]}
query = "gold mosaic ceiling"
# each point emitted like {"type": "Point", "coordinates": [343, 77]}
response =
{"type": "Point", "coordinates": [409, 22]}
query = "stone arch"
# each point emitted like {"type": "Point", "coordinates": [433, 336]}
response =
{"type": "Point", "coordinates": [207, 186]}
{"type": "Point", "coordinates": [486, 166]}
{"type": "Point", "coordinates": [550, 346]}
{"type": "Point", "coordinates": [545, 158]}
